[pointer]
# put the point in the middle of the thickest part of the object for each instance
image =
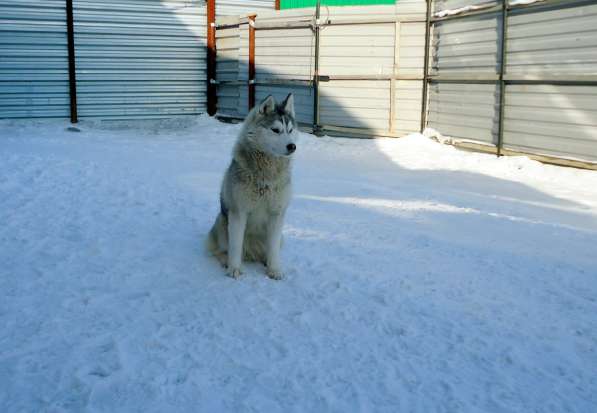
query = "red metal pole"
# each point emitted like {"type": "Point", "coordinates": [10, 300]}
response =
{"type": "Point", "coordinates": [251, 62]}
{"type": "Point", "coordinates": [277, 4]}
{"type": "Point", "coordinates": [212, 95]}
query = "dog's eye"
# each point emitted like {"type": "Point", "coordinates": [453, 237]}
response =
{"type": "Point", "coordinates": [276, 130]}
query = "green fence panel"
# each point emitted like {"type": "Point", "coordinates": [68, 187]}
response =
{"type": "Point", "coordinates": [295, 4]}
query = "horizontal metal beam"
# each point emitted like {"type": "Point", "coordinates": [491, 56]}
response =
{"type": "Point", "coordinates": [227, 26]}
{"type": "Point", "coordinates": [465, 77]}
{"type": "Point", "coordinates": [361, 132]}
{"type": "Point", "coordinates": [322, 78]}
{"type": "Point", "coordinates": [312, 23]}
{"type": "Point", "coordinates": [551, 78]}
{"type": "Point", "coordinates": [328, 78]}
{"type": "Point", "coordinates": [554, 160]}
{"type": "Point", "coordinates": [267, 81]}
{"type": "Point", "coordinates": [582, 80]}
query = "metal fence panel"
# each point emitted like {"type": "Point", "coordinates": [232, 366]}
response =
{"type": "Point", "coordinates": [361, 104]}
{"type": "Point", "coordinates": [33, 59]}
{"type": "Point", "coordinates": [552, 120]}
{"type": "Point", "coordinates": [466, 46]}
{"type": "Point", "coordinates": [140, 59]}
{"type": "Point", "coordinates": [550, 66]}
{"type": "Point", "coordinates": [553, 41]}
{"type": "Point", "coordinates": [467, 111]}
{"type": "Point", "coordinates": [407, 116]}
{"type": "Point", "coordinates": [227, 46]}
{"type": "Point", "coordinates": [367, 51]}
{"type": "Point", "coordinates": [360, 49]}
{"type": "Point", "coordinates": [351, 46]}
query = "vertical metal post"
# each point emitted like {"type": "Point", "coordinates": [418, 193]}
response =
{"type": "Point", "coordinates": [277, 4]}
{"type": "Point", "coordinates": [316, 71]}
{"type": "Point", "coordinates": [251, 62]}
{"type": "Point", "coordinates": [72, 71]}
{"type": "Point", "coordinates": [502, 68]}
{"type": "Point", "coordinates": [426, 66]}
{"type": "Point", "coordinates": [395, 72]}
{"type": "Point", "coordinates": [212, 93]}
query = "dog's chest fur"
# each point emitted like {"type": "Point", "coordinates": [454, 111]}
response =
{"type": "Point", "coordinates": [264, 178]}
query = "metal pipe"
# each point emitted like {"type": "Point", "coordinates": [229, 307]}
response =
{"type": "Point", "coordinates": [212, 93]}
{"type": "Point", "coordinates": [316, 127]}
{"type": "Point", "coordinates": [504, 50]}
{"type": "Point", "coordinates": [72, 70]}
{"type": "Point", "coordinates": [426, 66]}
{"type": "Point", "coordinates": [251, 62]}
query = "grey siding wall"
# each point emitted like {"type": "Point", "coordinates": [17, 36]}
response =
{"type": "Point", "coordinates": [466, 46]}
{"type": "Point", "coordinates": [552, 120]}
{"type": "Point", "coordinates": [550, 44]}
{"type": "Point", "coordinates": [134, 59]}
{"type": "Point", "coordinates": [140, 59]}
{"type": "Point", "coordinates": [33, 59]}
{"type": "Point", "coordinates": [466, 111]}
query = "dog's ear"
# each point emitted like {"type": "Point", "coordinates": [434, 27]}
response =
{"type": "Point", "coordinates": [267, 105]}
{"type": "Point", "coordinates": [288, 104]}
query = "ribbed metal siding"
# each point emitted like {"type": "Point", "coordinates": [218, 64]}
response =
{"type": "Point", "coordinates": [140, 59]}
{"type": "Point", "coordinates": [466, 111]}
{"type": "Point", "coordinates": [356, 49]}
{"type": "Point", "coordinates": [373, 50]}
{"type": "Point", "coordinates": [227, 45]}
{"type": "Point", "coordinates": [242, 7]}
{"type": "Point", "coordinates": [281, 54]}
{"type": "Point", "coordinates": [465, 46]}
{"type": "Point", "coordinates": [562, 42]}
{"type": "Point", "coordinates": [556, 42]}
{"type": "Point", "coordinates": [33, 59]}
{"type": "Point", "coordinates": [552, 120]}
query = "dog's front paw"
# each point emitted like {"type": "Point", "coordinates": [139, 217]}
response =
{"type": "Point", "coordinates": [274, 273]}
{"type": "Point", "coordinates": [234, 272]}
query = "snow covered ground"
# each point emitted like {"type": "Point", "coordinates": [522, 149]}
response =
{"type": "Point", "coordinates": [419, 278]}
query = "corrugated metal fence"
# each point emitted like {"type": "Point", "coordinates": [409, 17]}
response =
{"type": "Point", "coordinates": [33, 59]}
{"type": "Point", "coordinates": [139, 58]}
{"type": "Point", "coordinates": [370, 66]}
{"type": "Point", "coordinates": [517, 76]}
{"type": "Point", "coordinates": [134, 59]}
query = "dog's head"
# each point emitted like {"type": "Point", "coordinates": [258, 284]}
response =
{"type": "Point", "coordinates": [274, 128]}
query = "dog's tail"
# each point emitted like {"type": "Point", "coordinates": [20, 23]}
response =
{"type": "Point", "coordinates": [213, 243]}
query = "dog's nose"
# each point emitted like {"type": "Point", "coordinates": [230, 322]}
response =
{"type": "Point", "coordinates": [291, 147]}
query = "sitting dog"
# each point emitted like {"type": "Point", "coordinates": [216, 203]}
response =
{"type": "Point", "coordinates": [256, 190]}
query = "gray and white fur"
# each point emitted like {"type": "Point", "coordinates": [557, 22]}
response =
{"type": "Point", "coordinates": [256, 190]}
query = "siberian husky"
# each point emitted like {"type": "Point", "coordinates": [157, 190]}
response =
{"type": "Point", "coordinates": [256, 190]}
